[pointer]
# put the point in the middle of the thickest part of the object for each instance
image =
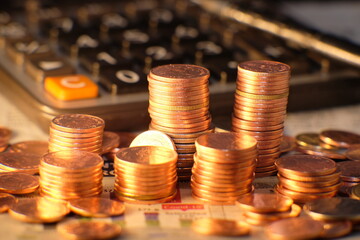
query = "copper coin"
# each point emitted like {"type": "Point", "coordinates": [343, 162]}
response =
{"type": "Point", "coordinates": [35, 147]}
{"type": "Point", "coordinates": [339, 138]}
{"type": "Point", "coordinates": [110, 141]}
{"type": "Point", "coordinates": [306, 189]}
{"type": "Point", "coordinates": [177, 83]}
{"type": "Point", "coordinates": [6, 202]}
{"type": "Point", "coordinates": [294, 228]}
{"type": "Point", "coordinates": [5, 135]}
{"type": "Point", "coordinates": [178, 72]}
{"type": "Point", "coordinates": [294, 211]}
{"type": "Point", "coordinates": [81, 230]}
{"type": "Point", "coordinates": [18, 183]}
{"type": "Point", "coordinates": [81, 135]}
{"type": "Point", "coordinates": [77, 123]}
{"type": "Point", "coordinates": [265, 202]}
{"type": "Point", "coordinates": [302, 197]}
{"type": "Point", "coordinates": [96, 207]}
{"type": "Point", "coordinates": [263, 67]}
{"type": "Point", "coordinates": [350, 171]}
{"type": "Point", "coordinates": [140, 200]}
{"type": "Point", "coordinates": [38, 210]}
{"type": "Point", "coordinates": [353, 152]}
{"type": "Point", "coordinates": [153, 138]}
{"type": "Point", "coordinates": [20, 162]}
{"type": "Point", "coordinates": [323, 178]}
{"type": "Point", "coordinates": [333, 154]}
{"type": "Point", "coordinates": [336, 229]}
{"type": "Point", "coordinates": [305, 165]}
{"type": "Point", "coordinates": [330, 209]}
{"type": "Point", "coordinates": [312, 140]}
{"type": "Point", "coordinates": [219, 227]}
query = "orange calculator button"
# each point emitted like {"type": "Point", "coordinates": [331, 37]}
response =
{"type": "Point", "coordinates": [71, 87]}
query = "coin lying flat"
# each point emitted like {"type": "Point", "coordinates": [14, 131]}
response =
{"type": "Point", "coordinates": [220, 227]}
{"type": "Point", "coordinates": [265, 202]}
{"type": "Point", "coordinates": [18, 183]}
{"type": "Point", "coordinates": [6, 201]}
{"type": "Point", "coordinates": [85, 230]}
{"type": "Point", "coordinates": [20, 162]}
{"type": "Point", "coordinates": [96, 207]}
{"type": "Point", "coordinates": [339, 138]}
{"type": "Point", "coordinates": [294, 228]}
{"type": "Point", "coordinates": [34, 147]}
{"type": "Point", "coordinates": [153, 138]}
{"type": "Point", "coordinates": [38, 210]}
{"type": "Point", "coordinates": [336, 229]}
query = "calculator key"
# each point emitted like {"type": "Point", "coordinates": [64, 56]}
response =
{"type": "Point", "coordinates": [41, 67]}
{"type": "Point", "coordinates": [71, 87]}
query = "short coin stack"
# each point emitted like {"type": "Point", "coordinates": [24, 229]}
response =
{"type": "Point", "coordinates": [71, 174]}
{"type": "Point", "coordinates": [261, 96]}
{"type": "Point", "coordinates": [304, 177]}
{"type": "Point", "coordinates": [179, 107]}
{"type": "Point", "coordinates": [224, 167]}
{"type": "Point", "coordinates": [264, 208]}
{"type": "Point", "coordinates": [76, 131]}
{"type": "Point", "coordinates": [145, 174]}
{"type": "Point", "coordinates": [350, 175]}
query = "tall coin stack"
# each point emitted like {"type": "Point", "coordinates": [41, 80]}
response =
{"type": "Point", "coordinates": [224, 167]}
{"type": "Point", "coordinates": [145, 174]}
{"type": "Point", "coordinates": [179, 107]}
{"type": "Point", "coordinates": [305, 177]}
{"type": "Point", "coordinates": [261, 96]}
{"type": "Point", "coordinates": [73, 174]}
{"type": "Point", "coordinates": [76, 131]}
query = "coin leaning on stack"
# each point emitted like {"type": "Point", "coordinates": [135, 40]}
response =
{"type": "Point", "coordinates": [262, 89]}
{"type": "Point", "coordinates": [145, 174]}
{"type": "Point", "coordinates": [179, 107]}
{"type": "Point", "coordinates": [76, 131]}
{"type": "Point", "coordinates": [72, 174]}
{"type": "Point", "coordinates": [224, 167]}
{"type": "Point", "coordinates": [305, 177]}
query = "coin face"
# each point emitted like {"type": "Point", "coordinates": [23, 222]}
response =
{"type": "Point", "coordinates": [20, 162]}
{"type": "Point", "coordinates": [180, 71]}
{"type": "Point", "coordinates": [78, 229]}
{"type": "Point", "coordinates": [336, 208]}
{"type": "Point", "coordinates": [153, 138]}
{"type": "Point", "coordinates": [96, 207]}
{"type": "Point", "coordinates": [220, 227]}
{"type": "Point", "coordinates": [340, 138]}
{"type": "Point", "coordinates": [265, 202]}
{"type": "Point", "coordinates": [18, 183]}
{"type": "Point", "coordinates": [71, 122]}
{"type": "Point", "coordinates": [263, 66]}
{"type": "Point", "coordinates": [6, 201]}
{"type": "Point", "coordinates": [294, 228]}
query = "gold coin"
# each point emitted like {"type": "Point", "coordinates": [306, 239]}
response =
{"type": "Point", "coordinates": [96, 207]}
{"type": "Point", "coordinates": [265, 202]}
{"type": "Point", "coordinates": [31, 147]}
{"type": "Point", "coordinates": [77, 123]}
{"type": "Point", "coordinates": [294, 228]}
{"type": "Point", "coordinates": [20, 162]}
{"type": "Point", "coordinates": [153, 138]}
{"type": "Point", "coordinates": [220, 227]}
{"type": "Point", "coordinates": [18, 183]}
{"type": "Point", "coordinates": [6, 202]}
{"type": "Point", "coordinates": [38, 210]}
{"type": "Point", "coordinates": [83, 230]}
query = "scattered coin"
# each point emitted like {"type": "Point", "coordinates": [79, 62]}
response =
{"type": "Point", "coordinates": [355, 191]}
{"type": "Point", "coordinates": [84, 230]}
{"type": "Point", "coordinates": [220, 227]}
{"type": "Point", "coordinates": [18, 183]}
{"type": "Point", "coordinates": [96, 207]}
{"type": "Point", "coordinates": [287, 144]}
{"type": "Point", "coordinates": [336, 229]}
{"type": "Point", "coordinates": [6, 201]}
{"type": "Point", "coordinates": [265, 203]}
{"type": "Point", "coordinates": [38, 148]}
{"type": "Point", "coordinates": [19, 162]}
{"type": "Point", "coordinates": [153, 138]}
{"type": "Point", "coordinates": [38, 210]}
{"type": "Point", "coordinates": [339, 138]}
{"type": "Point", "coordinates": [353, 152]}
{"type": "Point", "coordinates": [350, 171]}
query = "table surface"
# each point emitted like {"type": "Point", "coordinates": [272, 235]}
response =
{"type": "Point", "coordinates": [172, 220]}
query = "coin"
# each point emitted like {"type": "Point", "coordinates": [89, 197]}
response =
{"type": "Point", "coordinates": [287, 144]}
{"type": "Point", "coordinates": [350, 171]}
{"type": "Point", "coordinates": [38, 210]}
{"type": "Point", "coordinates": [294, 211]}
{"type": "Point", "coordinates": [5, 135]}
{"type": "Point", "coordinates": [82, 230]}
{"type": "Point", "coordinates": [336, 208]}
{"type": "Point", "coordinates": [77, 123]}
{"type": "Point", "coordinates": [19, 162]}
{"type": "Point", "coordinates": [34, 147]}
{"type": "Point", "coordinates": [6, 201]}
{"type": "Point", "coordinates": [353, 152]}
{"type": "Point", "coordinates": [312, 140]}
{"type": "Point", "coordinates": [333, 154]}
{"type": "Point", "coordinates": [153, 138]}
{"type": "Point", "coordinates": [336, 229]}
{"type": "Point", "coordinates": [18, 183]}
{"type": "Point", "coordinates": [294, 228]}
{"type": "Point", "coordinates": [264, 202]}
{"type": "Point", "coordinates": [339, 138]}
{"type": "Point", "coordinates": [96, 207]}
{"type": "Point", "coordinates": [110, 141]}
{"type": "Point", "coordinates": [355, 192]}
{"type": "Point", "coordinates": [220, 227]}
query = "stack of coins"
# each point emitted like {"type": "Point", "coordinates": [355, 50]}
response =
{"type": "Point", "coordinates": [261, 96]}
{"type": "Point", "coordinates": [145, 174]}
{"type": "Point", "coordinates": [77, 132]}
{"type": "Point", "coordinates": [264, 208]}
{"type": "Point", "coordinates": [179, 107]}
{"type": "Point", "coordinates": [305, 177]}
{"type": "Point", "coordinates": [350, 175]}
{"type": "Point", "coordinates": [70, 174]}
{"type": "Point", "coordinates": [224, 167]}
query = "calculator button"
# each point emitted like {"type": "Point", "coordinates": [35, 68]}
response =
{"type": "Point", "coordinates": [71, 87]}
{"type": "Point", "coordinates": [41, 67]}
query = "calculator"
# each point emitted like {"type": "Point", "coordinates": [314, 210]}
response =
{"type": "Point", "coordinates": [93, 57]}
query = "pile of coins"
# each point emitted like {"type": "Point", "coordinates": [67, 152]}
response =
{"type": "Point", "coordinates": [264, 208]}
{"type": "Point", "coordinates": [350, 176]}
{"type": "Point", "coordinates": [76, 131]}
{"type": "Point", "coordinates": [179, 107]}
{"type": "Point", "coordinates": [224, 167]}
{"type": "Point", "coordinates": [71, 174]}
{"type": "Point", "coordinates": [261, 96]}
{"type": "Point", "coordinates": [304, 177]}
{"type": "Point", "coordinates": [145, 174]}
